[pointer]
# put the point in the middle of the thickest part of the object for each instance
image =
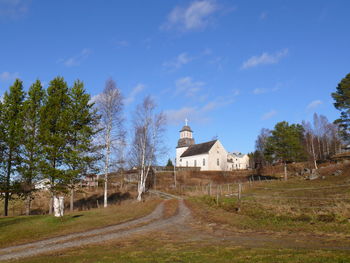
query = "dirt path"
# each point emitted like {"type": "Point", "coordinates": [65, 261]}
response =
{"type": "Point", "coordinates": [151, 222]}
{"type": "Point", "coordinates": [181, 226]}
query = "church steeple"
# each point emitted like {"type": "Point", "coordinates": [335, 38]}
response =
{"type": "Point", "coordinates": [186, 136]}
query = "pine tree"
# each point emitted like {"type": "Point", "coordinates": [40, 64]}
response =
{"type": "Point", "coordinates": [342, 103]}
{"type": "Point", "coordinates": [286, 144]}
{"type": "Point", "coordinates": [32, 147]}
{"type": "Point", "coordinates": [54, 131]}
{"type": "Point", "coordinates": [12, 129]}
{"type": "Point", "coordinates": [2, 151]}
{"type": "Point", "coordinates": [81, 156]}
{"type": "Point", "coordinates": [169, 163]}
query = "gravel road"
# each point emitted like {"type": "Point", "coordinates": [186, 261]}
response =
{"type": "Point", "coordinates": [152, 222]}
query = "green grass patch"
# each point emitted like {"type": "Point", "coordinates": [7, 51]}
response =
{"type": "Point", "coordinates": [150, 250]}
{"type": "Point", "coordinates": [23, 229]}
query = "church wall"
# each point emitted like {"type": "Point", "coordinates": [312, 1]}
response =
{"type": "Point", "coordinates": [179, 151]}
{"type": "Point", "coordinates": [199, 161]}
{"type": "Point", "coordinates": [217, 152]}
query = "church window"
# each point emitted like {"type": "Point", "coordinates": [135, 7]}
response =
{"type": "Point", "coordinates": [187, 163]}
{"type": "Point", "coordinates": [180, 160]}
{"type": "Point", "coordinates": [195, 163]}
{"type": "Point", "coordinates": [217, 162]}
{"type": "Point", "coordinates": [203, 161]}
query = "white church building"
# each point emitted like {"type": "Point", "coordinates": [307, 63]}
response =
{"type": "Point", "coordinates": [209, 156]}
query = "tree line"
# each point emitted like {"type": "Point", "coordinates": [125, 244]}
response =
{"type": "Point", "coordinates": [315, 141]}
{"type": "Point", "coordinates": [61, 134]}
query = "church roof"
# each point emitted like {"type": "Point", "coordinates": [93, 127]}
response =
{"type": "Point", "coordinates": [186, 128]}
{"type": "Point", "coordinates": [197, 149]}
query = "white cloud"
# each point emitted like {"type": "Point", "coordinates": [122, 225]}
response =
{"type": "Point", "coordinates": [188, 87]}
{"type": "Point", "coordinates": [198, 113]}
{"type": "Point", "coordinates": [264, 59]}
{"type": "Point", "coordinates": [220, 102]}
{"type": "Point", "coordinates": [136, 90]}
{"type": "Point", "coordinates": [269, 115]}
{"type": "Point", "coordinates": [121, 43]}
{"type": "Point", "coordinates": [259, 91]}
{"type": "Point", "coordinates": [195, 16]}
{"type": "Point", "coordinates": [7, 76]}
{"type": "Point", "coordinates": [178, 62]}
{"type": "Point", "coordinates": [77, 59]}
{"type": "Point", "coordinates": [263, 15]}
{"type": "Point", "coordinates": [178, 116]}
{"type": "Point", "coordinates": [314, 104]}
{"type": "Point", "coordinates": [14, 8]}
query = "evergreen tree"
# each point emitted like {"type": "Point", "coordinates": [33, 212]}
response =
{"type": "Point", "coordinates": [54, 131]}
{"type": "Point", "coordinates": [286, 144]}
{"type": "Point", "coordinates": [32, 147]}
{"type": "Point", "coordinates": [342, 103]}
{"type": "Point", "coordinates": [169, 163]}
{"type": "Point", "coordinates": [81, 156]}
{"type": "Point", "coordinates": [2, 151]}
{"type": "Point", "coordinates": [12, 137]}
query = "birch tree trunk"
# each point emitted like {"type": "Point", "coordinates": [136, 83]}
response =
{"type": "Point", "coordinates": [285, 172]}
{"type": "Point", "coordinates": [313, 152]}
{"type": "Point", "coordinates": [110, 104]}
{"type": "Point", "coordinates": [28, 204]}
{"type": "Point", "coordinates": [71, 207]}
{"type": "Point", "coordinates": [108, 145]}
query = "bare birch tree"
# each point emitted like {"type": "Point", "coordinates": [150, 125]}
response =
{"type": "Point", "coordinates": [110, 107]}
{"type": "Point", "coordinates": [310, 141]}
{"type": "Point", "coordinates": [147, 144]}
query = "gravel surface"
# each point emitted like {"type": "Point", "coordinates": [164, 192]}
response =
{"type": "Point", "coordinates": [97, 236]}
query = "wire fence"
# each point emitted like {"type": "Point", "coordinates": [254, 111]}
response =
{"type": "Point", "coordinates": [241, 191]}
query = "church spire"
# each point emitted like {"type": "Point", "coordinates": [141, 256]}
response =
{"type": "Point", "coordinates": [186, 136]}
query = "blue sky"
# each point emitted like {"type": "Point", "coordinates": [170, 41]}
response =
{"type": "Point", "coordinates": [230, 67]}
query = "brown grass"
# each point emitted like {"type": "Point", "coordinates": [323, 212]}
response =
{"type": "Point", "coordinates": [23, 229]}
{"type": "Point", "coordinates": [170, 208]}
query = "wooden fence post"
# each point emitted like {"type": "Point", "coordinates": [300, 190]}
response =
{"type": "Point", "coordinates": [217, 197]}
{"type": "Point", "coordinates": [239, 191]}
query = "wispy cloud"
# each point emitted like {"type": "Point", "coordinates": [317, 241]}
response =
{"type": "Point", "coordinates": [136, 90]}
{"type": "Point", "coordinates": [263, 15]}
{"type": "Point", "coordinates": [313, 104]}
{"type": "Point", "coordinates": [178, 116]}
{"type": "Point", "coordinates": [188, 87]}
{"type": "Point", "coordinates": [195, 16]}
{"type": "Point", "coordinates": [178, 62]}
{"type": "Point", "coordinates": [259, 91]}
{"type": "Point", "coordinates": [121, 43]}
{"type": "Point", "coordinates": [269, 115]}
{"type": "Point", "coordinates": [8, 76]}
{"type": "Point", "coordinates": [14, 8]}
{"type": "Point", "coordinates": [77, 59]}
{"type": "Point", "coordinates": [199, 114]}
{"type": "Point", "coordinates": [265, 59]}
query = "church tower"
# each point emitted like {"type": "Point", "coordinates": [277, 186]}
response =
{"type": "Point", "coordinates": [185, 141]}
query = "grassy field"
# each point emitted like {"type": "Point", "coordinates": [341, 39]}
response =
{"type": "Point", "coordinates": [275, 221]}
{"type": "Point", "coordinates": [21, 229]}
{"type": "Point", "coordinates": [319, 207]}
{"type": "Point", "coordinates": [152, 249]}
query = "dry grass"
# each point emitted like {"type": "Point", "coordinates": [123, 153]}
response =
{"type": "Point", "coordinates": [170, 208]}
{"type": "Point", "coordinates": [161, 248]}
{"type": "Point", "coordinates": [320, 206]}
{"type": "Point", "coordinates": [24, 229]}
